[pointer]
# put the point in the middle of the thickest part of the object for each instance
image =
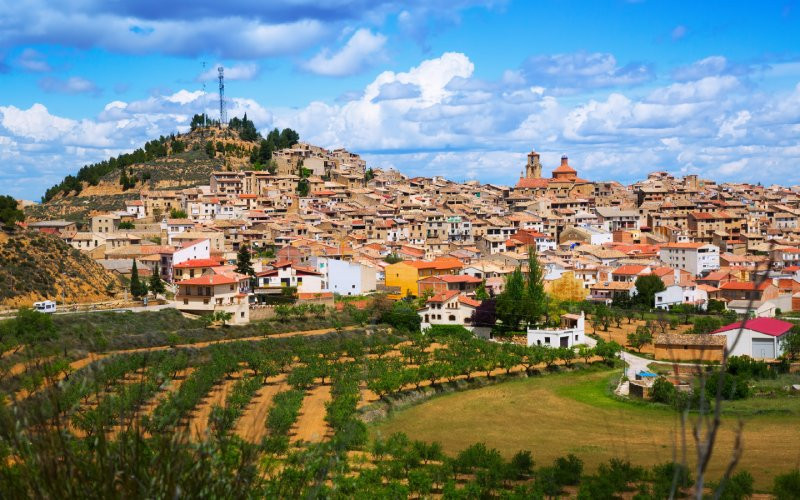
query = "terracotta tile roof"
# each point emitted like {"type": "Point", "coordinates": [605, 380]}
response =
{"type": "Point", "coordinates": [443, 297]}
{"type": "Point", "coordinates": [211, 279]}
{"type": "Point", "coordinates": [628, 270]}
{"type": "Point", "coordinates": [459, 278]}
{"type": "Point", "coordinates": [745, 285]}
{"type": "Point", "coordinates": [469, 302]}
{"type": "Point", "coordinates": [526, 183]}
{"type": "Point", "coordinates": [195, 263]}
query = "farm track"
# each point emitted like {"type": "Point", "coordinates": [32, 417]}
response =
{"type": "Point", "coordinates": [171, 386]}
{"type": "Point", "coordinates": [252, 425]}
{"type": "Point", "coordinates": [311, 426]}
{"type": "Point", "coordinates": [199, 417]}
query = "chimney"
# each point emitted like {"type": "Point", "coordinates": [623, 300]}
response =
{"type": "Point", "coordinates": [564, 160]}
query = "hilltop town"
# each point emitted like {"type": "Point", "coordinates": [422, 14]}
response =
{"type": "Point", "coordinates": [320, 223]}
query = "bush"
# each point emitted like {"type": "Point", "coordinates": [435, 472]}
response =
{"type": "Point", "coordinates": [786, 486]}
{"type": "Point", "coordinates": [568, 470]}
{"type": "Point", "coordinates": [739, 487]}
{"type": "Point", "coordinates": [402, 316]}
{"type": "Point", "coordinates": [665, 475]}
{"type": "Point", "coordinates": [706, 324]}
{"type": "Point", "coordinates": [663, 391]}
{"type": "Point", "coordinates": [733, 386]}
{"type": "Point", "coordinates": [749, 368]}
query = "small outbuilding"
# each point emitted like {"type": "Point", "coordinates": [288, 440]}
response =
{"type": "Point", "coordinates": [688, 347]}
{"type": "Point", "coordinates": [759, 338]}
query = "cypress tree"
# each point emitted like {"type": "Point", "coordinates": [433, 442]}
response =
{"type": "Point", "coordinates": [535, 298]}
{"type": "Point", "coordinates": [136, 284]}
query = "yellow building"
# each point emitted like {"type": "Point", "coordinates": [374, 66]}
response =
{"type": "Point", "coordinates": [403, 276]}
{"type": "Point", "coordinates": [567, 287]}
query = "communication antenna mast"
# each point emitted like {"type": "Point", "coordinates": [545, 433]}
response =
{"type": "Point", "coordinates": [223, 119]}
{"type": "Point", "coordinates": [203, 79]}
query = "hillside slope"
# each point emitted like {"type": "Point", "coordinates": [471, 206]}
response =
{"type": "Point", "coordinates": [36, 266]}
{"type": "Point", "coordinates": [172, 163]}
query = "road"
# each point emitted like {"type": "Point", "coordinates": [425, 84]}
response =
{"type": "Point", "coordinates": [156, 307]}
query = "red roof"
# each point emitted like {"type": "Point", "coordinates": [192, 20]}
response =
{"type": "Point", "coordinates": [195, 263]}
{"type": "Point", "coordinates": [469, 302]}
{"type": "Point", "coordinates": [458, 278]}
{"type": "Point", "coordinates": [526, 183]}
{"type": "Point", "coordinates": [744, 285]}
{"type": "Point", "coordinates": [212, 279]}
{"type": "Point", "coordinates": [767, 326]}
{"type": "Point", "coordinates": [628, 270]}
{"type": "Point", "coordinates": [444, 296]}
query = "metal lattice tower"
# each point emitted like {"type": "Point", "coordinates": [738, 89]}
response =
{"type": "Point", "coordinates": [223, 117]}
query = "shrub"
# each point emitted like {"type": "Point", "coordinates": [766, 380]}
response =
{"type": "Point", "coordinates": [663, 391]}
{"type": "Point", "coordinates": [738, 487]}
{"type": "Point", "coordinates": [733, 386]}
{"type": "Point", "coordinates": [786, 486]}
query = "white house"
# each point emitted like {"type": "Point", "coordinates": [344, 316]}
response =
{"type": "Point", "coordinates": [191, 250]}
{"type": "Point", "coordinates": [135, 208]}
{"type": "Point", "coordinates": [674, 295]}
{"type": "Point", "coordinates": [697, 258]}
{"type": "Point", "coordinates": [345, 278]}
{"type": "Point", "coordinates": [448, 308]}
{"type": "Point", "coordinates": [285, 274]}
{"type": "Point", "coordinates": [216, 292]}
{"type": "Point", "coordinates": [571, 333]}
{"type": "Point", "coordinates": [614, 219]}
{"type": "Point", "coordinates": [760, 337]}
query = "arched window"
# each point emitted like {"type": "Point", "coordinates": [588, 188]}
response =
{"type": "Point", "coordinates": [452, 317]}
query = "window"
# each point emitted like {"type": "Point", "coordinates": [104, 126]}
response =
{"type": "Point", "coordinates": [451, 317]}
{"type": "Point", "coordinates": [547, 339]}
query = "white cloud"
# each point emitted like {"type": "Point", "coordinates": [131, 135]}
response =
{"type": "Point", "coordinates": [246, 71]}
{"type": "Point", "coordinates": [583, 70]}
{"type": "Point", "coordinates": [183, 96]}
{"type": "Point", "coordinates": [441, 119]}
{"type": "Point", "coordinates": [361, 51]}
{"type": "Point", "coordinates": [33, 60]}
{"type": "Point", "coordinates": [679, 32]}
{"type": "Point", "coordinates": [71, 85]}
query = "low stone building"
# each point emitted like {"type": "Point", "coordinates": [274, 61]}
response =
{"type": "Point", "coordinates": [688, 347]}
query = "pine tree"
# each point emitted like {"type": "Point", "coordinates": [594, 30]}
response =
{"type": "Point", "coordinates": [535, 298]}
{"type": "Point", "coordinates": [244, 264]}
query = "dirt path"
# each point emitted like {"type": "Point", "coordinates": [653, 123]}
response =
{"type": "Point", "coordinates": [252, 426]}
{"type": "Point", "coordinates": [199, 418]}
{"type": "Point", "coordinates": [311, 426]}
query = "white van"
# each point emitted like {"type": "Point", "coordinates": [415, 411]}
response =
{"type": "Point", "coordinates": [47, 306]}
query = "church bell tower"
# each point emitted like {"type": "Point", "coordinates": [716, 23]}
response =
{"type": "Point", "coordinates": [533, 170]}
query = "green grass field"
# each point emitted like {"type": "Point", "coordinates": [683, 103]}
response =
{"type": "Point", "coordinates": [574, 413]}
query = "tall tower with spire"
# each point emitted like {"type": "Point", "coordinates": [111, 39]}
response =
{"type": "Point", "coordinates": [533, 169]}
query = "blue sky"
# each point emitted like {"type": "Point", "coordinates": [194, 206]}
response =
{"type": "Point", "coordinates": [462, 88]}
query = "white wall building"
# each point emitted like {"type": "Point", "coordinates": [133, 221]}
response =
{"type": "Point", "coordinates": [696, 258]}
{"type": "Point", "coordinates": [760, 338]}
{"type": "Point", "coordinates": [448, 308]}
{"type": "Point", "coordinates": [344, 277]}
{"type": "Point", "coordinates": [571, 334]}
{"type": "Point", "coordinates": [674, 295]}
{"type": "Point", "coordinates": [216, 292]}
